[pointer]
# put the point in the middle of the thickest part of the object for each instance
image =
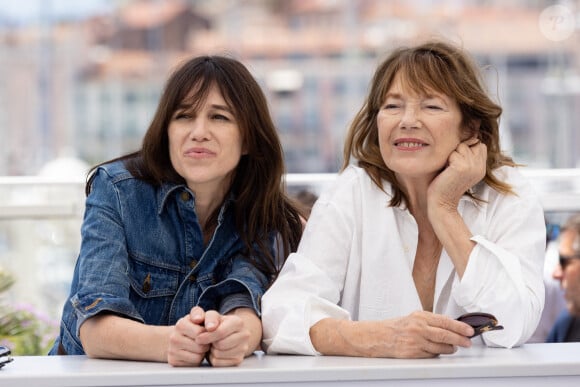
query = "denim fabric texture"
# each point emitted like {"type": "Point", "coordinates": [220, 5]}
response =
{"type": "Point", "coordinates": [561, 327]}
{"type": "Point", "coordinates": [142, 256]}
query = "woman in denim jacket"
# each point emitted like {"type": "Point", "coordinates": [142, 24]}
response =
{"type": "Point", "coordinates": [180, 239]}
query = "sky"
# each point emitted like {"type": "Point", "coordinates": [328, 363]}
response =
{"type": "Point", "coordinates": [25, 11]}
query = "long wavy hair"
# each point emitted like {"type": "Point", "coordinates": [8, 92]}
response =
{"type": "Point", "coordinates": [262, 207]}
{"type": "Point", "coordinates": [436, 66]}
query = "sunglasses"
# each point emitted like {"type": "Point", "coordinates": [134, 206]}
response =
{"type": "Point", "coordinates": [480, 322]}
{"type": "Point", "coordinates": [566, 259]}
{"type": "Point", "coordinates": [4, 356]}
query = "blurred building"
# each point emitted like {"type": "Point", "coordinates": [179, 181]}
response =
{"type": "Point", "coordinates": [92, 84]}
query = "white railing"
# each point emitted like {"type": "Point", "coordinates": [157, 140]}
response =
{"type": "Point", "coordinates": [559, 190]}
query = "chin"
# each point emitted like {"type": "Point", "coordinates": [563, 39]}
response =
{"type": "Point", "coordinates": [411, 169]}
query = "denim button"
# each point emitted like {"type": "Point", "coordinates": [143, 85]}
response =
{"type": "Point", "coordinates": [184, 196]}
{"type": "Point", "coordinates": [147, 284]}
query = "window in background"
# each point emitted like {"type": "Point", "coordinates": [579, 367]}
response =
{"type": "Point", "coordinates": [78, 77]}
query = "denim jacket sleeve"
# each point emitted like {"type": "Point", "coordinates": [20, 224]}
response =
{"type": "Point", "coordinates": [102, 267]}
{"type": "Point", "coordinates": [243, 286]}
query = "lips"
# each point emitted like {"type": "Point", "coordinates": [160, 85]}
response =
{"type": "Point", "coordinates": [198, 152]}
{"type": "Point", "coordinates": [409, 143]}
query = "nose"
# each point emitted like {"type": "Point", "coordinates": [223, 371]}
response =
{"type": "Point", "coordinates": [558, 273]}
{"type": "Point", "coordinates": [199, 130]}
{"type": "Point", "coordinates": [411, 117]}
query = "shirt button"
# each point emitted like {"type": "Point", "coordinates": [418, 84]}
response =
{"type": "Point", "coordinates": [185, 196]}
{"type": "Point", "coordinates": [192, 278]}
{"type": "Point", "coordinates": [192, 264]}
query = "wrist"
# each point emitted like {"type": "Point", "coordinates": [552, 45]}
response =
{"type": "Point", "coordinates": [441, 210]}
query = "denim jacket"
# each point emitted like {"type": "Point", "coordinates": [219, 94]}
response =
{"type": "Point", "coordinates": [143, 257]}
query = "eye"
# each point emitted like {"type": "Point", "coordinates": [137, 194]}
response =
{"type": "Point", "coordinates": [182, 116]}
{"type": "Point", "coordinates": [391, 106]}
{"type": "Point", "coordinates": [393, 103]}
{"type": "Point", "coordinates": [220, 117]}
{"type": "Point", "coordinates": [434, 103]}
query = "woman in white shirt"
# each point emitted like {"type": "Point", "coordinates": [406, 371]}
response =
{"type": "Point", "coordinates": [431, 222]}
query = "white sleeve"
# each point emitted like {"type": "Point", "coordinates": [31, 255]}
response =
{"type": "Point", "coordinates": [504, 272]}
{"type": "Point", "coordinates": [310, 284]}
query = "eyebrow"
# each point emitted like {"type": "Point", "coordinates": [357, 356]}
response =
{"type": "Point", "coordinates": [393, 95]}
{"type": "Point", "coordinates": [187, 107]}
{"type": "Point", "coordinates": [425, 96]}
{"type": "Point", "coordinates": [222, 107]}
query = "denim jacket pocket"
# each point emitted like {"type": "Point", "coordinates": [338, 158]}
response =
{"type": "Point", "coordinates": [152, 289]}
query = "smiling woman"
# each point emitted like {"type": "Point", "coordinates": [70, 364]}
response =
{"type": "Point", "coordinates": [409, 152]}
{"type": "Point", "coordinates": [430, 222]}
{"type": "Point", "coordinates": [181, 239]}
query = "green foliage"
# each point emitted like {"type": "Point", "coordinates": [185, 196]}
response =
{"type": "Point", "coordinates": [22, 328]}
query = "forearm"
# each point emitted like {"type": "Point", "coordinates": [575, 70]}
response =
{"type": "Point", "coordinates": [455, 237]}
{"type": "Point", "coordinates": [348, 338]}
{"type": "Point", "coordinates": [114, 337]}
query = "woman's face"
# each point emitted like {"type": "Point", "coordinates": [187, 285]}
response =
{"type": "Point", "coordinates": [205, 146]}
{"type": "Point", "coordinates": [417, 133]}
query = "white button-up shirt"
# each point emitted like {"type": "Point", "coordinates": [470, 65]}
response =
{"type": "Point", "coordinates": [355, 261]}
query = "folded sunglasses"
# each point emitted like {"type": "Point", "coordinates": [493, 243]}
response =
{"type": "Point", "coordinates": [4, 356]}
{"type": "Point", "coordinates": [480, 322]}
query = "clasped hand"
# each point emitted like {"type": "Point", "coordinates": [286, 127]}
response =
{"type": "Point", "coordinates": [222, 339]}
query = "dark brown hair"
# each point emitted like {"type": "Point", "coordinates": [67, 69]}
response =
{"type": "Point", "coordinates": [432, 66]}
{"type": "Point", "coordinates": [261, 204]}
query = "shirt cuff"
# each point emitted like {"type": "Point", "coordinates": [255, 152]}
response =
{"type": "Point", "coordinates": [234, 301]}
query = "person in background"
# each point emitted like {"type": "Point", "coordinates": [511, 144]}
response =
{"type": "Point", "coordinates": [432, 221]}
{"type": "Point", "coordinates": [554, 302]}
{"type": "Point", "coordinates": [567, 326]}
{"type": "Point", "coordinates": [181, 238]}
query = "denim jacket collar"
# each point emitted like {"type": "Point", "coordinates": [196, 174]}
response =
{"type": "Point", "coordinates": [167, 189]}
{"type": "Point", "coordinates": [163, 193]}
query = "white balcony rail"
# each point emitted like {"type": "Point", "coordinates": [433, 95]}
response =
{"type": "Point", "coordinates": [29, 197]}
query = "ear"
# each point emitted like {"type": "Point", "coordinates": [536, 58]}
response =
{"type": "Point", "coordinates": [472, 129]}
